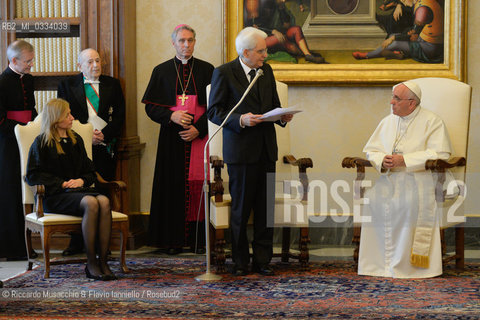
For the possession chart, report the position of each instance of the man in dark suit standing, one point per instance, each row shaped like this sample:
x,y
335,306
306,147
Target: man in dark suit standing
x,y
249,146
97,99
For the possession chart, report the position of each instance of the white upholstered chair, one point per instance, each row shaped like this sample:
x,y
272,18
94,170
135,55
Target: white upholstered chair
x,y
48,223
220,201
450,99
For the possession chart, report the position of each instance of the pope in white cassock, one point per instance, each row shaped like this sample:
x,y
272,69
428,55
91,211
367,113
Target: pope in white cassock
x,y
402,240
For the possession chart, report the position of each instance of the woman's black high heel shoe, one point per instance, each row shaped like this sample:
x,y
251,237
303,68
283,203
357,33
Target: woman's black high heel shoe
x,y
110,277
101,277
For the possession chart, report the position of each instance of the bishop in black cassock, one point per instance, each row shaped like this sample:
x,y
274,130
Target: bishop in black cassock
x,y
175,197
16,94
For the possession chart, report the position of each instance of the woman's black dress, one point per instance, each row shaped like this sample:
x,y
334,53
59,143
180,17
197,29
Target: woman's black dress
x,y
45,166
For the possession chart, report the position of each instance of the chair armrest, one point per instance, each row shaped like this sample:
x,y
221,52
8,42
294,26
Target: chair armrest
x,y
39,194
441,165
217,185
356,162
302,163
113,189
360,164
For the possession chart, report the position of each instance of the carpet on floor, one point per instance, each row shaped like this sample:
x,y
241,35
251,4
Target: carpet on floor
x,y
166,288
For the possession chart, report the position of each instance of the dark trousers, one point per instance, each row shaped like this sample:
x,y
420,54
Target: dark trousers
x,y
248,188
105,164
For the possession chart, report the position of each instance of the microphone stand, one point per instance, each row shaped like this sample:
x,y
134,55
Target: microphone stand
x,y
209,276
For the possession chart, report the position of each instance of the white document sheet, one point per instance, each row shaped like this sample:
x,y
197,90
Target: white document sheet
x,y
275,114
97,122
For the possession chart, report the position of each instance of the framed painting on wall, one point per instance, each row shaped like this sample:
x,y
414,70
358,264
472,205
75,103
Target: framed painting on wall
x,y
339,42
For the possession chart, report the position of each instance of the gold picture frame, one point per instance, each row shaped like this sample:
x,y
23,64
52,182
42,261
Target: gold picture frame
x,y
454,65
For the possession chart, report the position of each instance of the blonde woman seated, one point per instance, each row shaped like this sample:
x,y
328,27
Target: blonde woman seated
x,y
58,160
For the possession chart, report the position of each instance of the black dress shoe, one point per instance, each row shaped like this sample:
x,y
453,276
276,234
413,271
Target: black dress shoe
x,y
101,277
174,251
70,251
198,251
1,284
22,258
263,270
239,272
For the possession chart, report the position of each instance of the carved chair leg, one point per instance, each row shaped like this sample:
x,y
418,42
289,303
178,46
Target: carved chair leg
x,y
285,243
442,241
45,235
28,241
220,250
304,255
211,242
357,230
459,247
123,246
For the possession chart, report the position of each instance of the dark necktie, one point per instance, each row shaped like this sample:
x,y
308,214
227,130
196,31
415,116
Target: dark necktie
x,y
252,74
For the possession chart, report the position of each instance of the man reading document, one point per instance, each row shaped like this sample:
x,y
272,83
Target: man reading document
x,y
249,145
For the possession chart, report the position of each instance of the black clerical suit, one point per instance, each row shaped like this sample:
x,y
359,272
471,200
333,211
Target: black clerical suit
x,y
250,153
16,94
170,225
111,109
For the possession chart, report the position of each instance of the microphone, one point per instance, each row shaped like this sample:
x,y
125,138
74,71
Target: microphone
x,y
208,275
258,74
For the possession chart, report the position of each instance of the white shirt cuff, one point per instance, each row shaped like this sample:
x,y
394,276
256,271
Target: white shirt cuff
x,y
240,120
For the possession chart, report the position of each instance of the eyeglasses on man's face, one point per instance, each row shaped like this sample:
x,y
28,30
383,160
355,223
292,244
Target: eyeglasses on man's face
x,y
260,52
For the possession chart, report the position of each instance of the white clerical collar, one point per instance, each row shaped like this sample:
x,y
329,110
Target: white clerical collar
x,y
184,61
246,68
411,115
20,74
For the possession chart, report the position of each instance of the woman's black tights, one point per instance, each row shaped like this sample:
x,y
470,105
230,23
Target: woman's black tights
x,y
97,226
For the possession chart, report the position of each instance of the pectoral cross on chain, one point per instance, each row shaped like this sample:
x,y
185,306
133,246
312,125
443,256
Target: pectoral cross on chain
x,y
183,98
